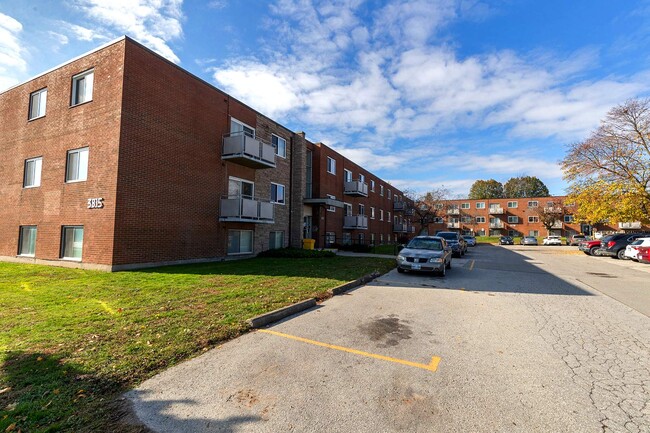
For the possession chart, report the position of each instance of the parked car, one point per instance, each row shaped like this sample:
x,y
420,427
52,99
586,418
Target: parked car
x,y
644,256
471,240
455,241
614,245
591,247
552,240
506,240
576,239
528,240
633,249
425,253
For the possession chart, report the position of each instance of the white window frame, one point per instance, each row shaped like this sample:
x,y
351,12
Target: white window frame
x,y
362,178
513,219
568,219
372,185
533,219
362,209
240,252
388,194
274,235
381,214
388,217
465,206
381,190
347,175
372,213
32,243
331,208
35,167
241,181
533,203
274,193
81,174
280,150
88,78
37,104
480,219
513,205
331,165
63,242
244,127
480,205
534,233
347,209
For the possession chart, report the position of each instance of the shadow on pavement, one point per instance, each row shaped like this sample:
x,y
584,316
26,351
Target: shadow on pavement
x,y
489,268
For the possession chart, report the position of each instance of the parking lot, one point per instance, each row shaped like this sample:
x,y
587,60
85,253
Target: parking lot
x,y
516,339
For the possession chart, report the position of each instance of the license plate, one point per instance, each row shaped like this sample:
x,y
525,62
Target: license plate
x,y
416,267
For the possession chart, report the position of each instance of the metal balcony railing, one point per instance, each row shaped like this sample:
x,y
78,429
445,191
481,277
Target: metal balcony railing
x,y
496,225
356,188
496,210
243,149
453,225
246,209
355,222
400,228
399,206
453,211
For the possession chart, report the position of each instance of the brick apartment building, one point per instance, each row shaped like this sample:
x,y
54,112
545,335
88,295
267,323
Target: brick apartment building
x,y
515,217
120,159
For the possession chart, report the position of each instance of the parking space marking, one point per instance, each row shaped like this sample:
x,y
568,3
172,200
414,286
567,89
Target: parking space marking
x,y
432,366
471,266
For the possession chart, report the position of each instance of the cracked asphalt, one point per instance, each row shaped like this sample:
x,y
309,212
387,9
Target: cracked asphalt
x,y
513,339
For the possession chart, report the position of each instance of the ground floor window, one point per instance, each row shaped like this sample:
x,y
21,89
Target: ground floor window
x,y
347,239
72,240
533,233
381,238
495,232
240,241
276,240
330,238
480,232
513,233
372,238
362,238
27,241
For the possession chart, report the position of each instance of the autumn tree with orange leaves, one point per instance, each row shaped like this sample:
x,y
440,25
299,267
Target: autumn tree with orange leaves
x,y
609,172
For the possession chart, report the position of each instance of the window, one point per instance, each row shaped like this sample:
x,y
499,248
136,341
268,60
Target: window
x,y
381,214
513,233
533,233
568,218
37,104
362,178
480,219
308,175
276,240
331,165
512,205
533,204
347,209
237,127
72,242
330,238
361,238
82,87
381,190
240,241
438,206
388,194
466,219
277,193
438,220
513,219
280,145
372,185
238,188
347,175
550,204
362,209
372,239
27,241
480,205
464,205
381,238
388,219
533,219
32,176
331,208
77,165
372,213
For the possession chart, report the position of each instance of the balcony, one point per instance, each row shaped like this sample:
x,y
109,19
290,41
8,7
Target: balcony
x,y
453,225
496,210
399,206
630,225
453,211
243,149
409,211
496,225
355,222
411,229
400,228
557,225
356,188
244,209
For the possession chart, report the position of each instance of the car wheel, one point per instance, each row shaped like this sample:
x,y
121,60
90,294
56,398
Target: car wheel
x,y
621,255
443,271
400,270
593,251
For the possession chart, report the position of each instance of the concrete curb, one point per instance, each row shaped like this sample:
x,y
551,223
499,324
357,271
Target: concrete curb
x,y
281,313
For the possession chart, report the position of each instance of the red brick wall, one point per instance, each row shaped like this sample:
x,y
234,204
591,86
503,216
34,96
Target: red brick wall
x,y
95,124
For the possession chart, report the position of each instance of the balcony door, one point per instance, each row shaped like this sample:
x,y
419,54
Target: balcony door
x,y
237,127
240,188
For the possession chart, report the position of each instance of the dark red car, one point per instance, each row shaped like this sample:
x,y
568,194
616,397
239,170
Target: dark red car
x,y
590,247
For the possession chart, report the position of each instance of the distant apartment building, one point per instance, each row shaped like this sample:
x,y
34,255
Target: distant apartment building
x,y
120,159
516,217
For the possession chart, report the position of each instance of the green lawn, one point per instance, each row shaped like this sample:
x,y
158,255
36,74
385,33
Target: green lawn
x,y
72,340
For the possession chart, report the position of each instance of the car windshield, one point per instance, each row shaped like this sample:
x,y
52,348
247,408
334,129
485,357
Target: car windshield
x,y
448,236
425,244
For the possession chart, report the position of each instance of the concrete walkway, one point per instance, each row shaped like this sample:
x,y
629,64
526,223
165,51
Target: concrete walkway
x,y
351,254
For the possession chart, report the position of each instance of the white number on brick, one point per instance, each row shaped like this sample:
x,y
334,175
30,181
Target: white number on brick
x,y
95,203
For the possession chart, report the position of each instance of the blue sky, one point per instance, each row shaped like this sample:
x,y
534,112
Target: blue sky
x,y
423,93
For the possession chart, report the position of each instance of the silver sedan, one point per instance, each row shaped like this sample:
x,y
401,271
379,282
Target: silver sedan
x,y
425,253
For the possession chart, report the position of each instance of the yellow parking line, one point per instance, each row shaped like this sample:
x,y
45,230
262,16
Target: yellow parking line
x,y
432,366
471,265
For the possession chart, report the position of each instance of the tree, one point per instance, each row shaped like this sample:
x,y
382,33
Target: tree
x,y
550,215
610,170
525,186
428,206
486,189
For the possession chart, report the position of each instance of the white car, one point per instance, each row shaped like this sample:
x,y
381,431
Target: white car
x,y
552,240
632,250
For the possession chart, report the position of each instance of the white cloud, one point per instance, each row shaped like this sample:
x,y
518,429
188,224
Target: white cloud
x,y
155,23
12,54
83,33
58,37
217,4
